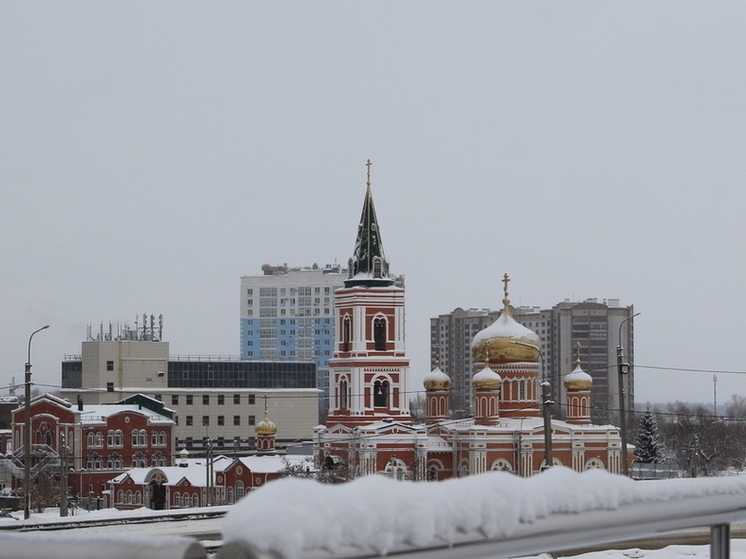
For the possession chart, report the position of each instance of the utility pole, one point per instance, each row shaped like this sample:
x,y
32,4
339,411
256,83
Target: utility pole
x,y
63,475
547,413
622,371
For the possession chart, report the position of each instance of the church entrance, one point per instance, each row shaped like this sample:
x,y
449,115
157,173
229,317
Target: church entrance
x,y
157,496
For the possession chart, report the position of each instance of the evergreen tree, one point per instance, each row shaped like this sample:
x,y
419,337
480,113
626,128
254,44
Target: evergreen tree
x,y
648,448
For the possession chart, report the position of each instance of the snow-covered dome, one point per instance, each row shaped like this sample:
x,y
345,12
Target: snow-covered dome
x,y
486,380
578,380
494,345
266,427
437,380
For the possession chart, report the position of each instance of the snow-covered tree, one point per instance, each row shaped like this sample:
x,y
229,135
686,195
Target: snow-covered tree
x,y
648,448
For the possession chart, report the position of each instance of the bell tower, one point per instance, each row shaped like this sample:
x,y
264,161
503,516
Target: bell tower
x,y
369,367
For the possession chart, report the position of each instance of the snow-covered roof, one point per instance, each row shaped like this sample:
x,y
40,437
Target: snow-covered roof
x,y
438,444
101,412
270,464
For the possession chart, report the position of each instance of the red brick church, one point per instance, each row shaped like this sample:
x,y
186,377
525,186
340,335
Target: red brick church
x,y
369,428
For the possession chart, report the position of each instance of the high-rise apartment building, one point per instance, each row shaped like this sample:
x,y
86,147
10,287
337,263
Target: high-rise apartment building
x,y
287,314
592,324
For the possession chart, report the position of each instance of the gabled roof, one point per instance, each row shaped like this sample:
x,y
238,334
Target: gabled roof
x,y
152,404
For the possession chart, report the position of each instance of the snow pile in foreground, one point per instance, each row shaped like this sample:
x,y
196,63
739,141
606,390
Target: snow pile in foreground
x,y
376,512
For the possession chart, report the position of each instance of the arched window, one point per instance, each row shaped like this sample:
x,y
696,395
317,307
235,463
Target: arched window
x,y
346,333
91,462
154,438
129,497
138,498
195,500
396,469
99,439
229,495
343,394
377,267
161,438
91,439
379,334
381,394
501,465
177,499
110,438
239,490
187,500
120,496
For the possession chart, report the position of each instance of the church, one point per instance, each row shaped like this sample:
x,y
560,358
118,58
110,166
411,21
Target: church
x,y
369,428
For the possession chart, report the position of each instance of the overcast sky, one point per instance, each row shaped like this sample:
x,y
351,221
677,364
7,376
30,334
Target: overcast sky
x,y
151,153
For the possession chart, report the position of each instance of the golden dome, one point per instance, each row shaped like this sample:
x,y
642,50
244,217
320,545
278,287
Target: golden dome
x,y
437,380
486,380
266,427
578,380
505,341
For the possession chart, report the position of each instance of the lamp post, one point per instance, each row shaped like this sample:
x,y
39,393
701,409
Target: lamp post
x,y
545,410
622,370
27,432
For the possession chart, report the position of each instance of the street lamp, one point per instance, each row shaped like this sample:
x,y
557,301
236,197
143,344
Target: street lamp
x,y
622,369
27,433
545,410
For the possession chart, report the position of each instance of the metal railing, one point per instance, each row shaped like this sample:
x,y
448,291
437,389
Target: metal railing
x,y
551,534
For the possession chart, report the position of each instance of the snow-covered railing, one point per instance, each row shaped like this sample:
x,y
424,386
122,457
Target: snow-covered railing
x,y
489,515
82,546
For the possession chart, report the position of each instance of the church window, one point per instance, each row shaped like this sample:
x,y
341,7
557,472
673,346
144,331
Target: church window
x,y
377,267
343,394
381,394
346,332
379,334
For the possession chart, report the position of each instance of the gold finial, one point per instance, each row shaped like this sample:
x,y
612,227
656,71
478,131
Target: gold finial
x,y
368,164
437,355
506,280
577,354
266,406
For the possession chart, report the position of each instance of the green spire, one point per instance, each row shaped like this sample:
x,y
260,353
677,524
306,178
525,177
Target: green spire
x,y
368,266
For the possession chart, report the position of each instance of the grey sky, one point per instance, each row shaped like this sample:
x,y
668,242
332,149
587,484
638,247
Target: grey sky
x,y
152,153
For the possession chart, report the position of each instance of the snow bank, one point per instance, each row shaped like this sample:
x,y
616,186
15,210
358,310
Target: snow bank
x,y
375,512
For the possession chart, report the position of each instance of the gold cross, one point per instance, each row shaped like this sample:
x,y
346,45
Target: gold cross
x,y
506,279
577,353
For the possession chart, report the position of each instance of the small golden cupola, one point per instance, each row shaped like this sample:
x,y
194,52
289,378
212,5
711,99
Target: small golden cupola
x,y
486,380
577,380
437,395
437,379
495,344
265,426
265,432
